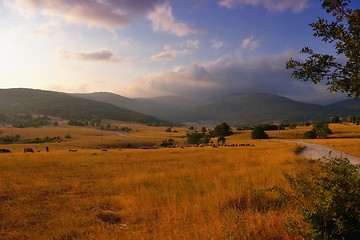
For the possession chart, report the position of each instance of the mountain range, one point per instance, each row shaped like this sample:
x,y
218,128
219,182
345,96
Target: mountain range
x,y
236,109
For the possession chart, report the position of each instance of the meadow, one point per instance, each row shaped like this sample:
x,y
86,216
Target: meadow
x,y
164,193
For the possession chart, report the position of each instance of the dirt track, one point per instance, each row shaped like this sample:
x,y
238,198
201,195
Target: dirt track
x,y
315,151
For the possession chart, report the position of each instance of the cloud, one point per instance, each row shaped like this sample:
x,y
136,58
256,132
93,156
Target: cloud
x,y
225,75
102,55
162,20
169,53
49,28
216,44
271,5
250,44
108,14
192,43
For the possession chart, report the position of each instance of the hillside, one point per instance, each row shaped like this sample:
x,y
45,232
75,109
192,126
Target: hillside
x,y
66,106
170,108
236,108
257,108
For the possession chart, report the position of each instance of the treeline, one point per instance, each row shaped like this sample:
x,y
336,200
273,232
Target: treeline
x,y
25,120
204,136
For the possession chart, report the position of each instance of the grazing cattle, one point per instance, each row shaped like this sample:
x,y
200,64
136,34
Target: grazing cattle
x,y
4,150
28,150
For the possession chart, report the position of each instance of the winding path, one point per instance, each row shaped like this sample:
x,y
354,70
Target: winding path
x,y
315,151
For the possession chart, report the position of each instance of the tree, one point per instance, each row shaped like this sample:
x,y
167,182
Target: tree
x,y
221,139
344,33
194,138
259,133
321,130
328,199
221,130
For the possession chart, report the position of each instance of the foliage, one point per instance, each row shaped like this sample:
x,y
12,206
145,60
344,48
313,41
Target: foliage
x,y
222,129
27,120
309,135
221,139
167,143
73,122
328,199
320,130
343,32
335,119
9,139
47,140
168,129
259,133
197,138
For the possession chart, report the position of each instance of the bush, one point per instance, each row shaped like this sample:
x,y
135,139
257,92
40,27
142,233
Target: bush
x,y
320,130
259,133
310,135
221,130
328,198
221,139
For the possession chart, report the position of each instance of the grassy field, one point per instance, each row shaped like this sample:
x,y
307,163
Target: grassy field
x,y
176,193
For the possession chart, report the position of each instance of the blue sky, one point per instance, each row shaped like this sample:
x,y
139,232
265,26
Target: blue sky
x,y
193,48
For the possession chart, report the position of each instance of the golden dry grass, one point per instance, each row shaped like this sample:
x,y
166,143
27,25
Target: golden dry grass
x,y
190,193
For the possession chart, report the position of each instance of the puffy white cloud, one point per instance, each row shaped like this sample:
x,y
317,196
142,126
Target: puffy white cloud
x,y
250,44
163,20
271,5
102,55
225,75
169,53
100,13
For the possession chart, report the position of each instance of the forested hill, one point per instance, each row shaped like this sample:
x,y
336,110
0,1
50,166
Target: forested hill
x,y
66,106
236,108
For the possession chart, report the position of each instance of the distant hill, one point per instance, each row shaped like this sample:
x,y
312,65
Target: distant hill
x,y
250,108
170,108
67,106
345,108
236,109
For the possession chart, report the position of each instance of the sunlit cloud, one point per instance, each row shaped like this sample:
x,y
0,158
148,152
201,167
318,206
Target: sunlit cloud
x,y
49,28
169,53
102,55
108,14
162,20
225,75
271,5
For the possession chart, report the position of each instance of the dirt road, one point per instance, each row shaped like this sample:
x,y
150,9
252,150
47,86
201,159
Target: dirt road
x,y
315,151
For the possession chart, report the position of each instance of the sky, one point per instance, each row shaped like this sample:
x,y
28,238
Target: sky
x,y
198,49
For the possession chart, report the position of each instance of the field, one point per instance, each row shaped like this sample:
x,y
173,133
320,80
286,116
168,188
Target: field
x,y
164,193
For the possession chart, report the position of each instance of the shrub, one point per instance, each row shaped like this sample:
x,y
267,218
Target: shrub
x,y
328,199
221,139
310,135
221,130
259,133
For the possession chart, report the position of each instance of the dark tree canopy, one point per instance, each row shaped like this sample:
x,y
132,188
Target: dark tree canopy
x,y
221,130
343,32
